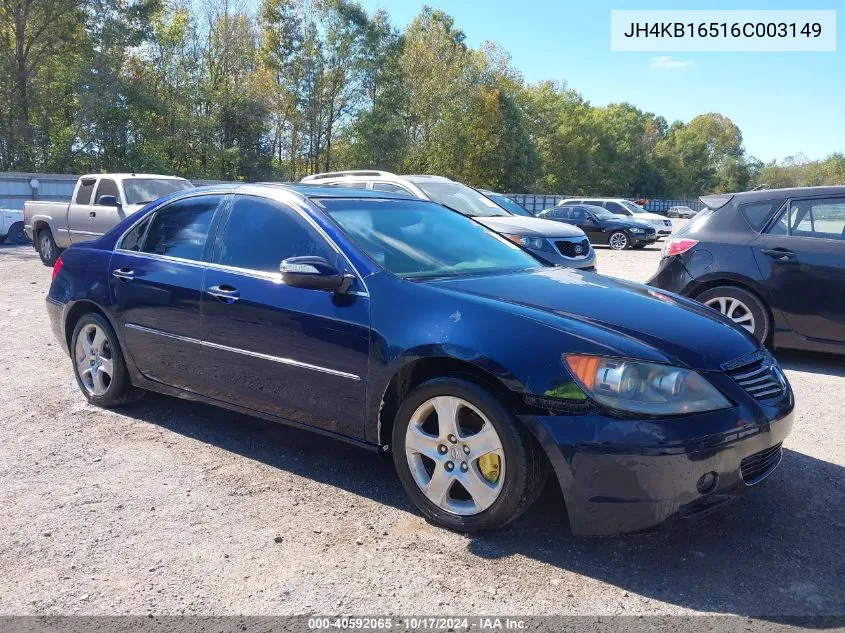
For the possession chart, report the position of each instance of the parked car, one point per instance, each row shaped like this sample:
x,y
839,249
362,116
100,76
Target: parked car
x,y
11,227
404,327
552,242
773,261
626,208
680,212
99,202
508,204
603,227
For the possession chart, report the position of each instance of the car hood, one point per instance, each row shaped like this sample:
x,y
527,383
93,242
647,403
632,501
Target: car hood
x,y
614,317
650,217
530,227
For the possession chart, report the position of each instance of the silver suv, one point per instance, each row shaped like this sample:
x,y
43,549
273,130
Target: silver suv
x,y
553,242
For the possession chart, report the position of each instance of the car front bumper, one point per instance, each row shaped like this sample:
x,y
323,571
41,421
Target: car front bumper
x,y
622,475
588,262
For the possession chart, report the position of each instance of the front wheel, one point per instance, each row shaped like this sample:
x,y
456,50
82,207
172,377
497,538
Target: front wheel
x,y
463,459
741,307
98,363
16,234
618,241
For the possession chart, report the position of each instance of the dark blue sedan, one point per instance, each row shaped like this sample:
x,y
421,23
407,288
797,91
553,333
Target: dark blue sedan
x,y
402,326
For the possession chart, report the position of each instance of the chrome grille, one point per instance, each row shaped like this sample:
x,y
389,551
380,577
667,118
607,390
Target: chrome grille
x,y
573,249
759,376
758,466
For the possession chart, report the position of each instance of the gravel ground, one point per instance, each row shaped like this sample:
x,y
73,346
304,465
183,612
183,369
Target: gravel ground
x,y
170,507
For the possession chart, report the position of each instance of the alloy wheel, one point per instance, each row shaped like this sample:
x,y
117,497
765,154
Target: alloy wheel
x,y
46,246
735,310
94,359
455,455
618,241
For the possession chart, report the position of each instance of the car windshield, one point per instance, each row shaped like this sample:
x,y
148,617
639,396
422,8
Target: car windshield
x,y
633,208
461,198
144,190
417,239
601,213
508,204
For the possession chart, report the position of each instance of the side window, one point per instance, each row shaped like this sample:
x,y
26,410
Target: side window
x,y
757,214
261,233
181,229
389,186
595,203
615,207
107,187
559,214
86,188
823,219
578,214
349,184
133,240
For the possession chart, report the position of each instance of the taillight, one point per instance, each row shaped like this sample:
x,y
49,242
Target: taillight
x,y
57,267
677,246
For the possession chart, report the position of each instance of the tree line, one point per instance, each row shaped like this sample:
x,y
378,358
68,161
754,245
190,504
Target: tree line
x,y
214,89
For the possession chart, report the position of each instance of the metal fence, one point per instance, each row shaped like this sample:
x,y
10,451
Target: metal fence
x,y
534,203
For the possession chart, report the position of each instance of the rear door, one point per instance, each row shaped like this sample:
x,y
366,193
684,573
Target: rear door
x,y
156,277
102,218
294,353
79,210
802,262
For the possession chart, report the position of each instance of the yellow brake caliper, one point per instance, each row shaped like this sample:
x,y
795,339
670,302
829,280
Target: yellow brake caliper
x,y
490,466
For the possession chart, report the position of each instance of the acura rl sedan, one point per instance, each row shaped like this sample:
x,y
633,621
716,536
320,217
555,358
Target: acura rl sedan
x,y
409,329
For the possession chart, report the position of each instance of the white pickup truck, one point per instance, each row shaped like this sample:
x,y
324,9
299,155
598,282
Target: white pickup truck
x,y
99,202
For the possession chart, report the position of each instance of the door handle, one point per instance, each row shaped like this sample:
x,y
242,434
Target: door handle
x,y
224,293
92,214
124,274
779,254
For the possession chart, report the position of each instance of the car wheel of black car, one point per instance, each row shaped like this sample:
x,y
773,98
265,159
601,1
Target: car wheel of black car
x,y
464,460
98,363
16,234
46,245
741,307
618,241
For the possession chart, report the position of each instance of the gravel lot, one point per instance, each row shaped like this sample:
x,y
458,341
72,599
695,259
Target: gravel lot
x,y
170,507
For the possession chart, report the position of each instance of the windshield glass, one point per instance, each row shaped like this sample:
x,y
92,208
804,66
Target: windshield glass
x,y
633,208
144,190
601,213
461,198
414,239
508,204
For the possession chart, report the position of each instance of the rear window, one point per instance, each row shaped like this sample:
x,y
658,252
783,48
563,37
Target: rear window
x,y
698,221
757,214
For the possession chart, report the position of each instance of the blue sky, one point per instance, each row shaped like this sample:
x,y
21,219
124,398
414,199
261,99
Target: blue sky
x,y
784,103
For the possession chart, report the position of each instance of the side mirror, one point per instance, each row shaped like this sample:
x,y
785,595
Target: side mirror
x,y
108,201
314,273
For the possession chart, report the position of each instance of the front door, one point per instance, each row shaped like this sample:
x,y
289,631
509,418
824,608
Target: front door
x,y
102,218
802,262
294,353
78,219
156,277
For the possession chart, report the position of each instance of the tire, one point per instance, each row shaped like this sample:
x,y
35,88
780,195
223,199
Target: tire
x,y
619,241
98,363
46,247
2,239
741,306
521,471
16,234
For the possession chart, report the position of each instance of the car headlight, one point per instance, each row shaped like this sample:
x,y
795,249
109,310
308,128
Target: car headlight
x,y
637,231
640,387
535,243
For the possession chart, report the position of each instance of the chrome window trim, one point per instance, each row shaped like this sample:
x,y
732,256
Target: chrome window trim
x,y
290,200
275,359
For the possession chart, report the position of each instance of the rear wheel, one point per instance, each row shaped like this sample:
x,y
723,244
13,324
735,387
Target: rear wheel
x,y
46,245
618,241
16,234
463,459
98,363
740,306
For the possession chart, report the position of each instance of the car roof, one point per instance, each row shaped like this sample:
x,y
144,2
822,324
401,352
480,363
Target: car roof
x,y
716,201
131,176
304,190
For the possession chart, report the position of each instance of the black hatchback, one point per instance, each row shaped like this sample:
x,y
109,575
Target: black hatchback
x,y
772,261
603,227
